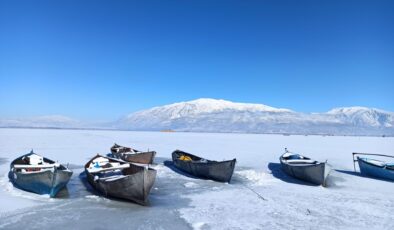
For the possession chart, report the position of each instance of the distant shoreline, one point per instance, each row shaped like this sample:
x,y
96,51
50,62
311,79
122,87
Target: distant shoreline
x,y
175,131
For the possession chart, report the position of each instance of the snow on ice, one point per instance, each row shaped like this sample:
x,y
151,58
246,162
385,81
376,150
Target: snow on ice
x,y
260,195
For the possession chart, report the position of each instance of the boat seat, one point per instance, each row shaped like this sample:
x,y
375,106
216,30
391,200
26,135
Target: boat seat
x,y
112,178
293,156
301,161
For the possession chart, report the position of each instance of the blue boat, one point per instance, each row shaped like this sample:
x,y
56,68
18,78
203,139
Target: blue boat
x,y
375,168
34,173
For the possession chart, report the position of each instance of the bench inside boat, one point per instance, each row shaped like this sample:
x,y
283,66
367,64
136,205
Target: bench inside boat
x,y
111,169
292,158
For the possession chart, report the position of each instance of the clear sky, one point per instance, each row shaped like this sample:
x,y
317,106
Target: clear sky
x,y
104,59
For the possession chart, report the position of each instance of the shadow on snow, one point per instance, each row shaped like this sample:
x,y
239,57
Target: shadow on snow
x,y
3,160
353,173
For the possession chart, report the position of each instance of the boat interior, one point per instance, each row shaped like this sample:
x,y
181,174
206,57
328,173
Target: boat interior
x,y
293,158
122,149
189,157
112,169
379,163
35,163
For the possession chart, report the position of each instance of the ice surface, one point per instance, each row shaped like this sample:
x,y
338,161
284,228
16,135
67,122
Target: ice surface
x,y
260,195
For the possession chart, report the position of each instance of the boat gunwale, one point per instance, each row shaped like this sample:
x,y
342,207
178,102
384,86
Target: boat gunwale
x,y
141,167
59,167
377,166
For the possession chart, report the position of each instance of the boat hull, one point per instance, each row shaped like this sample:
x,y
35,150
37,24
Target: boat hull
x,y
141,157
135,187
219,171
45,182
371,170
315,174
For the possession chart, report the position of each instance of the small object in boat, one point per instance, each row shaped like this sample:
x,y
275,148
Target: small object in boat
x,y
185,158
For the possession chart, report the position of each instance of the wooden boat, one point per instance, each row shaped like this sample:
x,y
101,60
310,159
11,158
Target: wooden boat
x,y
132,155
373,167
34,173
304,168
215,170
116,178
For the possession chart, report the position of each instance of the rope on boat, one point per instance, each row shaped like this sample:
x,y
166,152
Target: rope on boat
x,y
308,212
252,190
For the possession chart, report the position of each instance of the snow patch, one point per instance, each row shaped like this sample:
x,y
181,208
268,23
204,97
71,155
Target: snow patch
x,y
190,185
224,209
198,225
255,177
93,197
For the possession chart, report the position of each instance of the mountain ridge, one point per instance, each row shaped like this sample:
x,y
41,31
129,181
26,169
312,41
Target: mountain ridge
x,y
218,115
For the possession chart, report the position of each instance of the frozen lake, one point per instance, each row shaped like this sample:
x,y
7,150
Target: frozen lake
x,y
180,202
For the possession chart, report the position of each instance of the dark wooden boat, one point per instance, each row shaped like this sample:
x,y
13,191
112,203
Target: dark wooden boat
x,y
132,155
34,173
304,168
215,170
116,178
373,167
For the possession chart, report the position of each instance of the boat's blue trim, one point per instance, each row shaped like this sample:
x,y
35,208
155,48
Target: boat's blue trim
x,y
369,169
36,187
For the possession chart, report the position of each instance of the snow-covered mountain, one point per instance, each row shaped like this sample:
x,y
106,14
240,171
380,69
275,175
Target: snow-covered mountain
x,y
363,116
211,115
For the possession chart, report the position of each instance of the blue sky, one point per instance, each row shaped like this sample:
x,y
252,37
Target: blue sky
x,y
104,59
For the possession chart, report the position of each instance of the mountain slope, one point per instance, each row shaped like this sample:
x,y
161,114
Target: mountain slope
x,y
364,116
210,115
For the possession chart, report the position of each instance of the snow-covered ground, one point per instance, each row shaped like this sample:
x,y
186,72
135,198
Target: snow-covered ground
x,y
259,196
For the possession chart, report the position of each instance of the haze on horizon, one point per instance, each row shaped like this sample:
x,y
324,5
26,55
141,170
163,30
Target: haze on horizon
x,y
101,60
